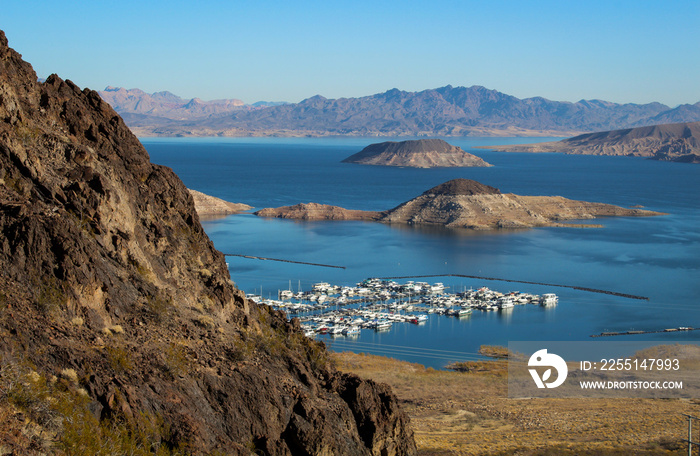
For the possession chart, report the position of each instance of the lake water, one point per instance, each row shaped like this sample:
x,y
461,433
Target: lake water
x,y
657,257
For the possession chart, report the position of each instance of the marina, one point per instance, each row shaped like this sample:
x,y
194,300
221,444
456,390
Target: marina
x,y
378,304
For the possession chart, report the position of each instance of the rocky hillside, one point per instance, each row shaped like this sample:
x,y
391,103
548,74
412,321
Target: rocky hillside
x,y
422,153
120,330
678,142
464,203
445,111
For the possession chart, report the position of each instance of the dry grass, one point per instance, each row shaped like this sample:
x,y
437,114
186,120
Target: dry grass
x,y
469,413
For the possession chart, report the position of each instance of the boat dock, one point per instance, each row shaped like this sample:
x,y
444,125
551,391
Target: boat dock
x,y
378,304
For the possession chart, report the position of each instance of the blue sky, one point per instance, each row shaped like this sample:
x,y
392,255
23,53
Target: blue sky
x,y
617,50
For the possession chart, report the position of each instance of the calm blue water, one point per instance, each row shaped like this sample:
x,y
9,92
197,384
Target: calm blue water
x,y
657,257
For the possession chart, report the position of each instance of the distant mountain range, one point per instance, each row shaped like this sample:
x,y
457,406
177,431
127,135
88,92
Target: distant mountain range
x,y
446,111
165,104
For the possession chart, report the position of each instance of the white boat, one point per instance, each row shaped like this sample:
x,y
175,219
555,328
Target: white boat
x,y
463,312
549,299
349,330
382,324
437,288
505,302
336,330
286,294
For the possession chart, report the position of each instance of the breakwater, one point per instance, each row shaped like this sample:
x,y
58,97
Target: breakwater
x,y
573,287
252,257
635,332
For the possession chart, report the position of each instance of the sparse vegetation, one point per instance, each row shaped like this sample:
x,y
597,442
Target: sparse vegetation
x,y
51,296
494,351
119,358
176,361
59,421
460,413
160,307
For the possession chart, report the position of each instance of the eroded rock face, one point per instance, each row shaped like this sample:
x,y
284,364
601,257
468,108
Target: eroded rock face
x,y
105,269
208,206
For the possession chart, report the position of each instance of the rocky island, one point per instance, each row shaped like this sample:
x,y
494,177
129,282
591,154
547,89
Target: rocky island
x,y
315,211
421,153
208,206
121,331
464,203
679,142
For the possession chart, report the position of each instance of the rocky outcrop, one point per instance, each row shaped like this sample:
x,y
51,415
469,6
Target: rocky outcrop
x,y
464,203
462,187
670,142
422,153
112,292
207,205
314,211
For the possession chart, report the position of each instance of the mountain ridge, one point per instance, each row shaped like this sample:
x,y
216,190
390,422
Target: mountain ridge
x,y
444,111
679,142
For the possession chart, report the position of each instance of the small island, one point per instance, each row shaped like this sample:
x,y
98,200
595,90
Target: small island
x,y
421,153
465,203
315,211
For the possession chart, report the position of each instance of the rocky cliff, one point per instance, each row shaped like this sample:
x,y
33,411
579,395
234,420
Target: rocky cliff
x,y
120,329
464,203
678,142
207,205
422,153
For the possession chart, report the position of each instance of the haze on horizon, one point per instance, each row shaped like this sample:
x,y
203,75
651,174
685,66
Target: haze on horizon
x,y
624,52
